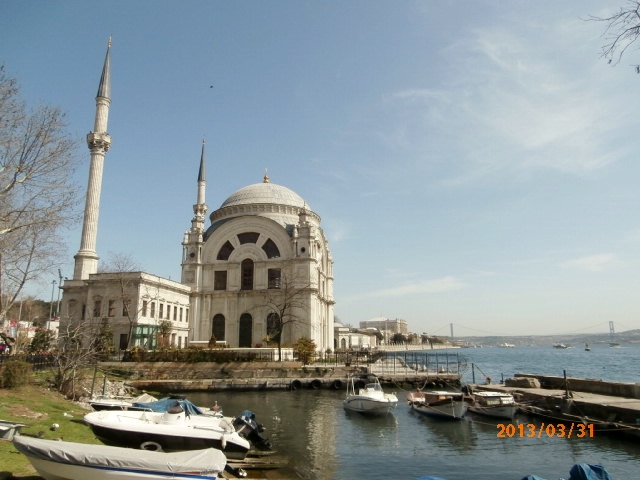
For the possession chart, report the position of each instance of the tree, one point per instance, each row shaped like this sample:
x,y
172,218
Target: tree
x,y
41,341
284,303
621,32
77,350
37,194
305,349
121,264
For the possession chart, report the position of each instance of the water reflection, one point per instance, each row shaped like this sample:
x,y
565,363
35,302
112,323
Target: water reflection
x,y
324,442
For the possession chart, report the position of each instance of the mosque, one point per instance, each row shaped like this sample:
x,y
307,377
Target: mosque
x,y
260,272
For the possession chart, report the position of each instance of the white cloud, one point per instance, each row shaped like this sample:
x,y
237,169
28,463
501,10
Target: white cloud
x,y
438,285
593,263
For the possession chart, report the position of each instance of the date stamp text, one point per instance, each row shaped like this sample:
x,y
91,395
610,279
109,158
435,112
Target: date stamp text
x,y
550,430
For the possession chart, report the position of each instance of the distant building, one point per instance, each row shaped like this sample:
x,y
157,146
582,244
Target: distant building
x,y
387,326
349,339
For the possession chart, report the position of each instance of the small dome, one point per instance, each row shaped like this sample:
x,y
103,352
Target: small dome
x,y
264,193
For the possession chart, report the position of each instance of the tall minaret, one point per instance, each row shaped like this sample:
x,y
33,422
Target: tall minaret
x,y
99,142
194,237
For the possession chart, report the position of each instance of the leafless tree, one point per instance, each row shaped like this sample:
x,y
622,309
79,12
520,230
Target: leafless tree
x,y
76,351
37,193
285,305
121,264
621,32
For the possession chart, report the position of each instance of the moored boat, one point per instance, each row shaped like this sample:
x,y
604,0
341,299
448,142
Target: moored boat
x,y
370,398
439,403
59,460
493,404
173,430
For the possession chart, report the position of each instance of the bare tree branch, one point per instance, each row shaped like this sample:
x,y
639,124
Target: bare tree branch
x,y
622,32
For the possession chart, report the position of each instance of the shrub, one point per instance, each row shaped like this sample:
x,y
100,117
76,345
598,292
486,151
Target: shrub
x,y
15,373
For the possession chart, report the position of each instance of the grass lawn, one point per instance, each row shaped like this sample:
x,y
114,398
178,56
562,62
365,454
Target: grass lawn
x,y
39,408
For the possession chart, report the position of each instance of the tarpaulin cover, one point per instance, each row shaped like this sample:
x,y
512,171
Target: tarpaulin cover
x,y
164,404
206,460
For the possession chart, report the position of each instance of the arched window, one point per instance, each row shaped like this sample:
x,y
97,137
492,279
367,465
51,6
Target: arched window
x,y
248,237
343,343
246,330
274,327
225,251
247,275
271,249
218,326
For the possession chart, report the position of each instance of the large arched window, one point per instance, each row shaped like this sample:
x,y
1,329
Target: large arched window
x,y
271,249
246,330
247,275
218,326
225,251
274,327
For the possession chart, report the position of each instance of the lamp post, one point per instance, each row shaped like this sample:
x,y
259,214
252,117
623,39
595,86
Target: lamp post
x,y
53,288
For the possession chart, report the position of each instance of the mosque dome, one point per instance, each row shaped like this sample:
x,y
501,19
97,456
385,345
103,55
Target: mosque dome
x,y
264,193
265,199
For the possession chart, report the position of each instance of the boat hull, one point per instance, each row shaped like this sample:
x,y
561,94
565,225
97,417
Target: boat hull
x,y
145,431
369,406
439,404
507,412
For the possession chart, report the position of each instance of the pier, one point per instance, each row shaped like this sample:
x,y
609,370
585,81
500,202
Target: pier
x,y
576,400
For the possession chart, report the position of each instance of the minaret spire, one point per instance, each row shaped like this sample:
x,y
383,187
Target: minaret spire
x,y
98,141
200,208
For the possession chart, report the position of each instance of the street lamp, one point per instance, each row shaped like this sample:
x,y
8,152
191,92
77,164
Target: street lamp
x,y
53,287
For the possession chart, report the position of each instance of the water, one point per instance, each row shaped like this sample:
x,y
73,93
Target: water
x,y
323,442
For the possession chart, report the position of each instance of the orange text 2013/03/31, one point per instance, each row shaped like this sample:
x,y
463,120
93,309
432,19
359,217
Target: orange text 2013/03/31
x,y
550,430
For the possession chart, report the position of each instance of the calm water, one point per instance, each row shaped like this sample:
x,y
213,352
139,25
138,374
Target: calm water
x,y
324,442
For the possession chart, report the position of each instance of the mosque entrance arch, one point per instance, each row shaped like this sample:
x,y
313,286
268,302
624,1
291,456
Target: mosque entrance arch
x,y
246,331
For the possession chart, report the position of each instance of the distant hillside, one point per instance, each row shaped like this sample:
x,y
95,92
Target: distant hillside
x,y
628,337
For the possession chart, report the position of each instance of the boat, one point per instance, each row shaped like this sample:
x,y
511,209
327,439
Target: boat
x,y
60,460
493,404
107,402
369,398
587,348
560,345
172,430
507,345
245,423
439,403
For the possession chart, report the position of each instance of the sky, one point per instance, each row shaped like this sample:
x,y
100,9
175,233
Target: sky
x,y
474,162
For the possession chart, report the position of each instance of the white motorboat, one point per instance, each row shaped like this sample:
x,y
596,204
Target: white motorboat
x,y
58,460
439,403
493,404
172,430
369,398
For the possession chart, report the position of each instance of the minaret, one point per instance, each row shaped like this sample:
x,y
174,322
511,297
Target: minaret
x,y
99,142
194,237
200,208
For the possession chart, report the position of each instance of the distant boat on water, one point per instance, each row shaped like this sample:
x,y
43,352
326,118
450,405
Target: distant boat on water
x,y
587,348
560,345
507,345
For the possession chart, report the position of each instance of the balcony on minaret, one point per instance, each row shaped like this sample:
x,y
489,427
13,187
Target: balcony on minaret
x,y
98,140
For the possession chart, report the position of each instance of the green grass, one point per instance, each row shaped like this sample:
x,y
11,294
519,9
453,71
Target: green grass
x,y
39,408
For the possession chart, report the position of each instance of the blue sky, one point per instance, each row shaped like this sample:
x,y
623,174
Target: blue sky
x,y
474,162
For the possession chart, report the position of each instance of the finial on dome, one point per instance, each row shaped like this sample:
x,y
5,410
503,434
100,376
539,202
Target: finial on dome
x,y
109,42
266,177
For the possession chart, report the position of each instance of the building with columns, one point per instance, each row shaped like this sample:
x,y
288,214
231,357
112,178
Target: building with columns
x,y
260,269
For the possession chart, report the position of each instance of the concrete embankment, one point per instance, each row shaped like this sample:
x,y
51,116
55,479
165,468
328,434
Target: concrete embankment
x,y
180,377
610,406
